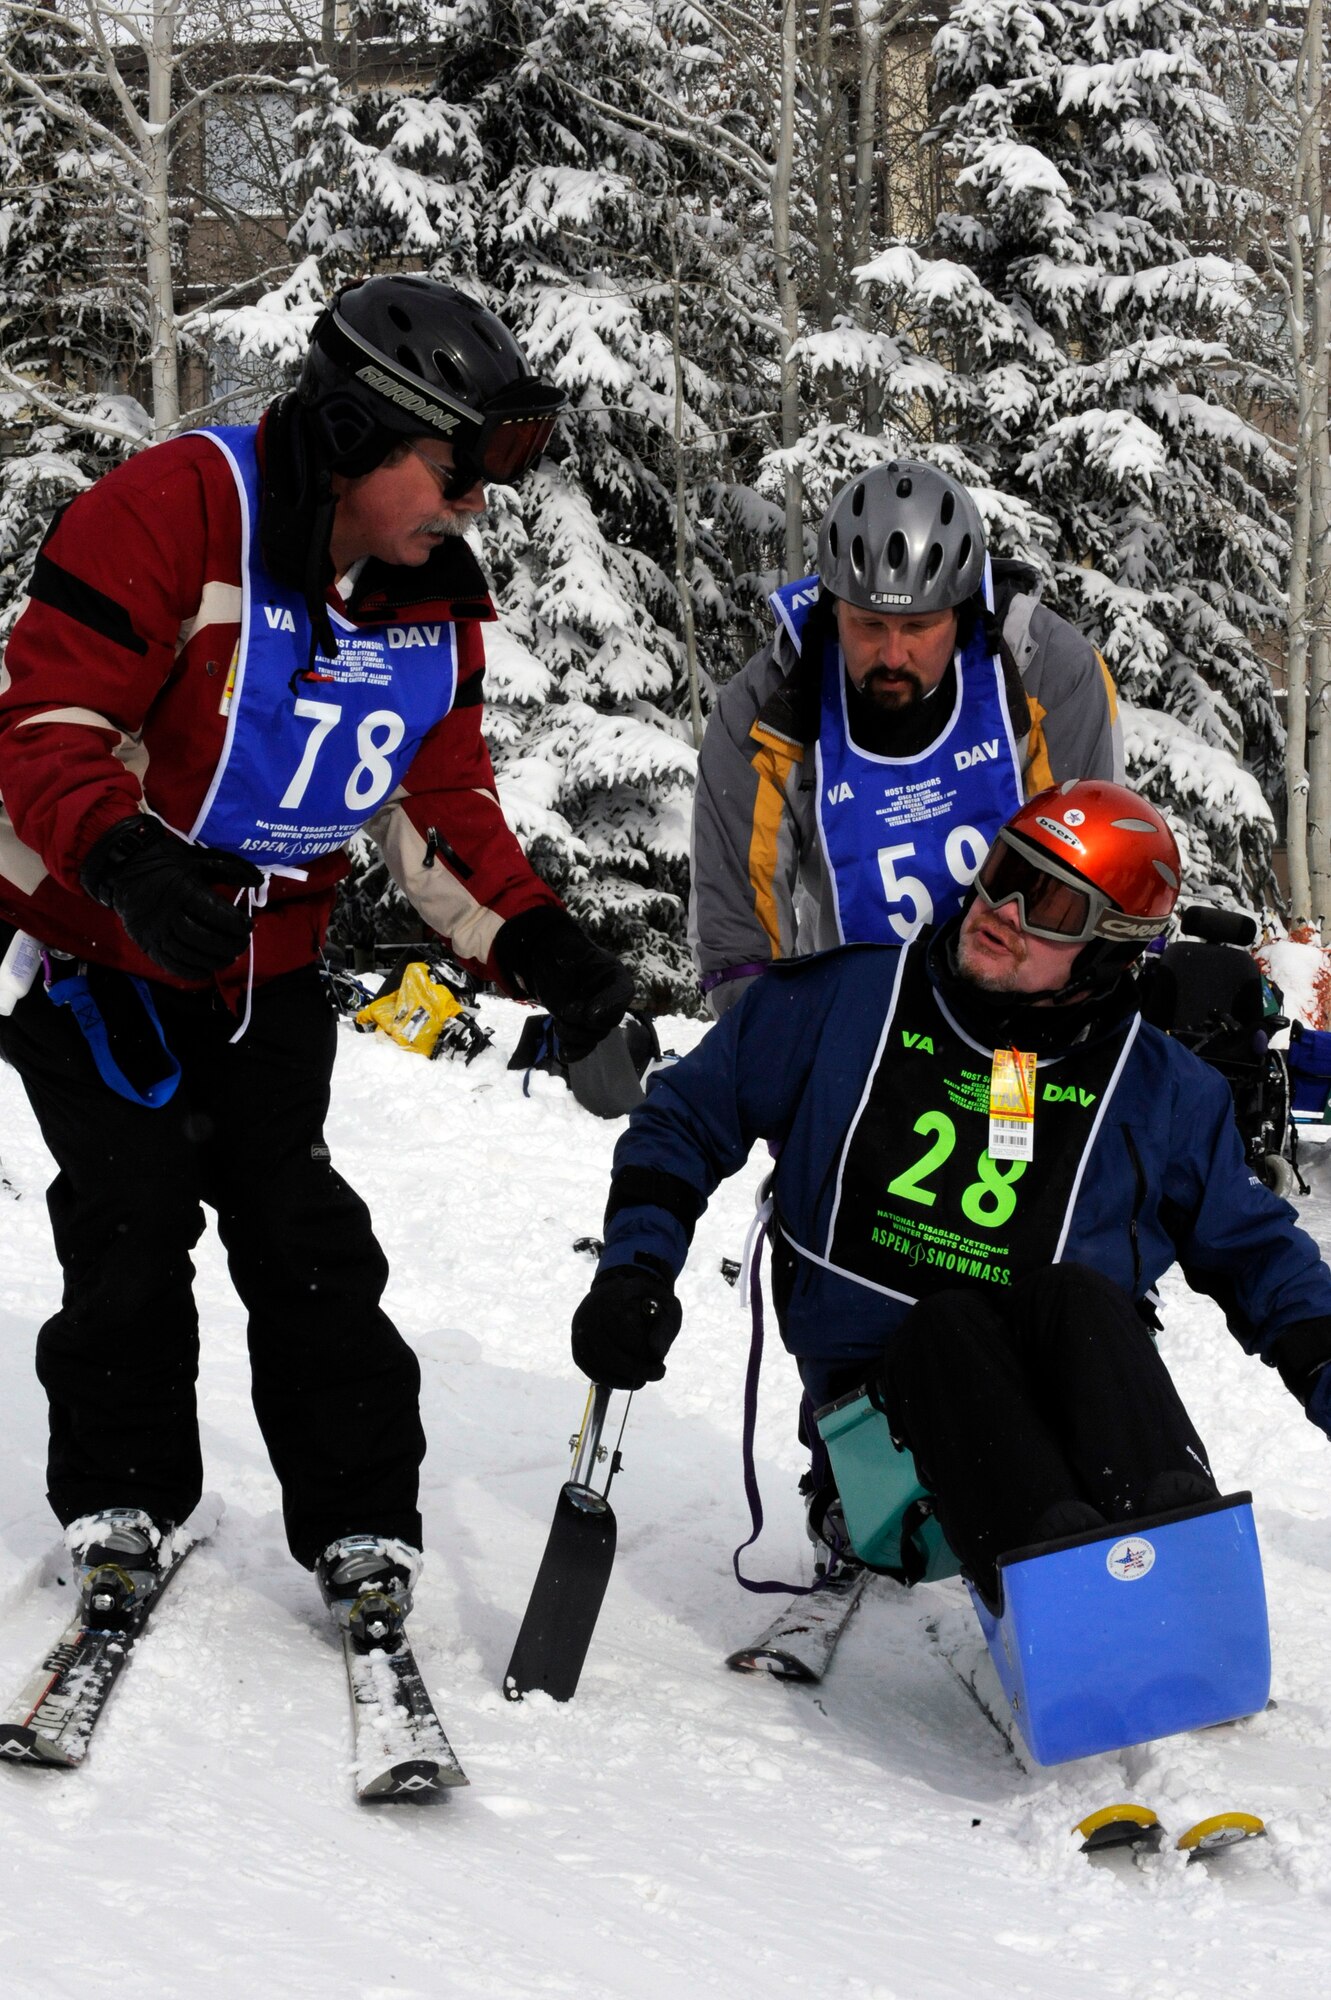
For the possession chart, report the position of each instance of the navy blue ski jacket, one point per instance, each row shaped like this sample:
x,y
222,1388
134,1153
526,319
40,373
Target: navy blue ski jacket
x,y
1166,1181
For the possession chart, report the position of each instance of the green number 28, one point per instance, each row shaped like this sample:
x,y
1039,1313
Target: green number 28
x,y
991,1197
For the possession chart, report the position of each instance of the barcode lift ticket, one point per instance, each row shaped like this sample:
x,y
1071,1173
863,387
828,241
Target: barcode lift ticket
x,y
1012,1106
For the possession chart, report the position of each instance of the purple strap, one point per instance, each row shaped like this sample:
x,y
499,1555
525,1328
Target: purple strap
x,y
750,1422
711,979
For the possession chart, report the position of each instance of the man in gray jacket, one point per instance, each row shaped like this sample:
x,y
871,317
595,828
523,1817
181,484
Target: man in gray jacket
x,y
914,693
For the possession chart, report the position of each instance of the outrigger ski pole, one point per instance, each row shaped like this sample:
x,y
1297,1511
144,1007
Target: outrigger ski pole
x,y
575,1569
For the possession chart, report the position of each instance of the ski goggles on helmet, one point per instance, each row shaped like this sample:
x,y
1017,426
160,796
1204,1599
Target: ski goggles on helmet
x,y
515,426
1052,902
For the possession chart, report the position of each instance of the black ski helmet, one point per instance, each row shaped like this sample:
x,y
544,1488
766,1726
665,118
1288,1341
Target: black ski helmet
x,y
406,357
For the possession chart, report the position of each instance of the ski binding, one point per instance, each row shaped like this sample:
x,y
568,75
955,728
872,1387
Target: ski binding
x,y
50,1721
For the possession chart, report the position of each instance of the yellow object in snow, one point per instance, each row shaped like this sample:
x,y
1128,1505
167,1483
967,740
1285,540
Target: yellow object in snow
x,y
416,1014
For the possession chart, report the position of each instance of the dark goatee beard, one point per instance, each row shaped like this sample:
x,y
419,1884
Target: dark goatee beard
x,y
903,691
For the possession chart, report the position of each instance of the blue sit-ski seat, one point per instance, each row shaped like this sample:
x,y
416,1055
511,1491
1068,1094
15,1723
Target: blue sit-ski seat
x,y
1112,1638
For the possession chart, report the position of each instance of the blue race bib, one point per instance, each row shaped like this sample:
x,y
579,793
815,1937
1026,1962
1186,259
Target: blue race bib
x,y
311,755
904,836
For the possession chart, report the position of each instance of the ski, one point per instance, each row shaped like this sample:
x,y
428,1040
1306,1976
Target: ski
x,y
1137,1827
967,1660
400,1749
51,1720
799,1643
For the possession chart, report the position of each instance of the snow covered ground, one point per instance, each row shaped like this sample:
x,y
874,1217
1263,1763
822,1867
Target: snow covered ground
x,y
676,1830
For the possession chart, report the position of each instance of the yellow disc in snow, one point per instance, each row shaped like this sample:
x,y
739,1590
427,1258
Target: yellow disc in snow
x,y
1221,1830
1120,1815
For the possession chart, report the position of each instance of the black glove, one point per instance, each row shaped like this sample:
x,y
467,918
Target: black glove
x,y
1318,1404
161,889
1302,1357
623,1329
584,989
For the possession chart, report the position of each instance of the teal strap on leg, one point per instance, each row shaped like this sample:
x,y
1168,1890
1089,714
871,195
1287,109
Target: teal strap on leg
x,y
135,1037
889,1515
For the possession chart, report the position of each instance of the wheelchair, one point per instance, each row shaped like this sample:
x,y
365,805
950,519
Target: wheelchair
x,y
1207,991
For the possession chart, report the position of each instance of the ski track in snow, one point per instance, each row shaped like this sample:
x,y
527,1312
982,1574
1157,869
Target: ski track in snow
x,y
676,1829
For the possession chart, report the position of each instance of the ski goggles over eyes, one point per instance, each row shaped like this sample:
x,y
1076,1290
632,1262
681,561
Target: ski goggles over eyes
x,y
1051,901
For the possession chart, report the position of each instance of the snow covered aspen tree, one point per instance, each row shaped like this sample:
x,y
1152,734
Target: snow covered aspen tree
x,y
859,169
102,115
65,207
1308,656
1277,84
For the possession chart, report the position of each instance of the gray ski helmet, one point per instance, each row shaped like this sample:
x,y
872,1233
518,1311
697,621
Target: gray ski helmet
x,y
903,537
407,357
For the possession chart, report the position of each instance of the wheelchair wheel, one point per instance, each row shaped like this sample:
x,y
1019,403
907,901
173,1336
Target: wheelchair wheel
x,y
1279,1176
1274,1132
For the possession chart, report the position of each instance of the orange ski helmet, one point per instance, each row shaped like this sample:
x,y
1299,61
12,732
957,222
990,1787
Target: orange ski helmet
x,y
1085,861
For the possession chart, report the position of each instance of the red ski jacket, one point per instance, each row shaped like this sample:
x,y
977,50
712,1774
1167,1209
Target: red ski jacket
x,y
111,695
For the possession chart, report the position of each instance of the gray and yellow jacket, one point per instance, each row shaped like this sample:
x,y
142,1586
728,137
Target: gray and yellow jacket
x,y
760,885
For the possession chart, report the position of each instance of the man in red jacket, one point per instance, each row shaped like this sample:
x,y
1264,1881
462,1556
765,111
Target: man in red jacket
x,y
239,649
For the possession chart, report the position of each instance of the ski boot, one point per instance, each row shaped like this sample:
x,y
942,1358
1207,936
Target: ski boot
x,y
366,1581
118,1556
825,1524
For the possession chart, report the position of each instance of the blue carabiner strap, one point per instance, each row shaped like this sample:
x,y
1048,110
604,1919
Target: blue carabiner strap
x,y
162,1071
545,1056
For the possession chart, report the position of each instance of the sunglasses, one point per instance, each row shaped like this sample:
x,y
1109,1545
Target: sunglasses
x,y
1052,902
446,477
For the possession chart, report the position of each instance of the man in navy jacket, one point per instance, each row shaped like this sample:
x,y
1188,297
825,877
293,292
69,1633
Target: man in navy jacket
x,y
986,1161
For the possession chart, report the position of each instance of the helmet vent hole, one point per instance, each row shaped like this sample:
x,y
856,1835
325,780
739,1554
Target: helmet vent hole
x,y
948,509
401,320
834,541
857,502
964,552
896,549
449,373
857,555
904,488
407,356
934,563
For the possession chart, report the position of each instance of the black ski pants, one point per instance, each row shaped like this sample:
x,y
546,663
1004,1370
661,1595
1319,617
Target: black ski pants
x,y
1014,1408
335,1387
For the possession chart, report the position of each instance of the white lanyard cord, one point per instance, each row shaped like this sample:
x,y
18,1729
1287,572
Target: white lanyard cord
x,y
258,899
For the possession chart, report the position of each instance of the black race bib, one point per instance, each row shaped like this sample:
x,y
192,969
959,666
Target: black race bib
x,y
920,1205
